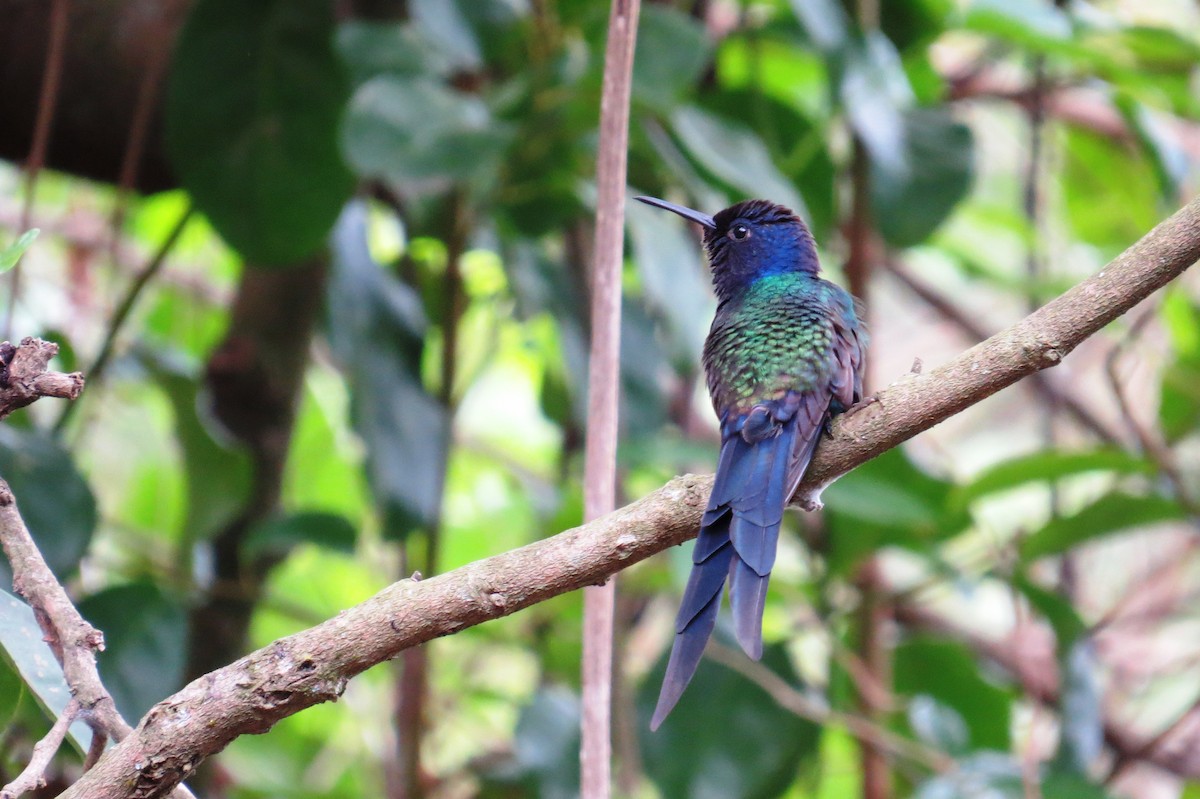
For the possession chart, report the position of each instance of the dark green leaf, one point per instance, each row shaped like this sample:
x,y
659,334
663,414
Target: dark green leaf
x,y
13,252
252,113
672,49
1112,513
887,501
734,154
145,644
911,199
914,24
1049,465
726,737
376,328
1071,786
24,646
55,500
948,672
276,537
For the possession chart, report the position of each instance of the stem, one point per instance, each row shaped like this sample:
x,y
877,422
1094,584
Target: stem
x,y
600,449
47,104
121,314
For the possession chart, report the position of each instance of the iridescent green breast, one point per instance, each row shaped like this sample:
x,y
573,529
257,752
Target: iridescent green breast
x,y
776,337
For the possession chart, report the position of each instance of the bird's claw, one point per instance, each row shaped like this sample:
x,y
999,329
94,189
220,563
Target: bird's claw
x,y
863,403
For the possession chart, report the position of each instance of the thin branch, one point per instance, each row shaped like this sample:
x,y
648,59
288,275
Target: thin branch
x,y
47,104
1151,444
313,666
25,379
1040,383
152,268
861,727
604,378
34,774
74,642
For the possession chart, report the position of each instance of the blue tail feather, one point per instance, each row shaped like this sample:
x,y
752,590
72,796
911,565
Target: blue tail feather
x,y
738,537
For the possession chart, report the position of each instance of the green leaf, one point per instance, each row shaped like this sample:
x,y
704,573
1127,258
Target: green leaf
x,y
1160,144
24,646
674,279
1058,785
376,327
825,22
444,25
252,113
1179,395
734,154
1067,624
371,48
875,94
887,501
1029,22
55,501
276,537
1111,191
1046,466
727,736
949,673
420,135
1112,513
910,200
672,49
13,252
145,644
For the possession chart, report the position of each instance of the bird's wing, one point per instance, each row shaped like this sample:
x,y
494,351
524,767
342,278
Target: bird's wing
x,y
849,348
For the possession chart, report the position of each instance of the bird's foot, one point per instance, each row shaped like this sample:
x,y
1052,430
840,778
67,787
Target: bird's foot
x,y
863,403
810,500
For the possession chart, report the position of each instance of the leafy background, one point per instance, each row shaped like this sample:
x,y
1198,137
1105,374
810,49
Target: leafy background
x,y
364,357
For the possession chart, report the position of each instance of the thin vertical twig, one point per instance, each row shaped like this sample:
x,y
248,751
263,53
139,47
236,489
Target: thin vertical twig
x,y
412,688
600,449
47,103
121,314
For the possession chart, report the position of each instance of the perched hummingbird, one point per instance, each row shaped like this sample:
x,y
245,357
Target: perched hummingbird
x,y
785,352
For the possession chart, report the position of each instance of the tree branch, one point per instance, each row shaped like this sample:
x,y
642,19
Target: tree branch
x,y
313,666
24,378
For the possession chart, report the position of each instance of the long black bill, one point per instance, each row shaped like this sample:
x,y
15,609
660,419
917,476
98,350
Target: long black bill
x,y
686,213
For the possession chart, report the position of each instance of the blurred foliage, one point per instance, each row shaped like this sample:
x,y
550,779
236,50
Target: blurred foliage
x,y
441,413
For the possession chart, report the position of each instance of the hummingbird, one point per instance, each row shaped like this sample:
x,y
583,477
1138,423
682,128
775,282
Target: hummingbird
x,y
783,355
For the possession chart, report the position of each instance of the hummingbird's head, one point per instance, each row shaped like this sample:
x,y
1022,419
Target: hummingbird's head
x,y
750,240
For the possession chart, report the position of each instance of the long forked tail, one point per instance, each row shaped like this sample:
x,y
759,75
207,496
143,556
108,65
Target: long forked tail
x,y
761,463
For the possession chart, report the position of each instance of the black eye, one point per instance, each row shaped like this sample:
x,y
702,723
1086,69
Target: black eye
x,y
739,232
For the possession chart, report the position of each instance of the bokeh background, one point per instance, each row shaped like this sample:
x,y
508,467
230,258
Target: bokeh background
x,y
325,267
